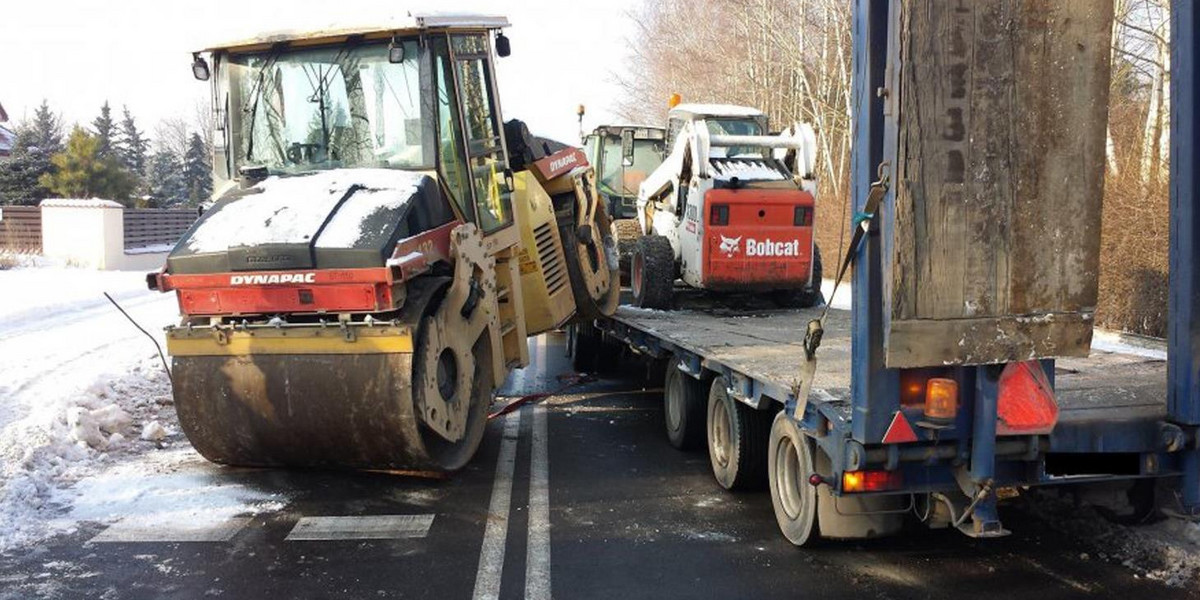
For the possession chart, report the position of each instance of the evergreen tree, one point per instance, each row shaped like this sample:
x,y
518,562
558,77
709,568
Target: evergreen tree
x,y
105,130
197,169
132,146
45,132
37,140
81,172
165,179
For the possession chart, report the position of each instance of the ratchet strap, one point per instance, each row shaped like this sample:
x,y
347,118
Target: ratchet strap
x,y
816,327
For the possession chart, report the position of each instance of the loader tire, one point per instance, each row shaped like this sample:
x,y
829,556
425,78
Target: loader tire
x,y
737,439
626,232
683,408
810,295
652,272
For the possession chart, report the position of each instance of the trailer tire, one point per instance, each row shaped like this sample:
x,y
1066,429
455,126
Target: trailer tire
x,y
810,295
789,465
737,439
683,408
652,272
586,348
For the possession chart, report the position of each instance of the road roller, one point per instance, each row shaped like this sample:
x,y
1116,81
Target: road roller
x,y
379,246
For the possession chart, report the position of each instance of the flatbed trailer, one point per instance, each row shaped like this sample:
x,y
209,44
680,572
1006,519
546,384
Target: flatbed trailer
x,y
1111,428
922,403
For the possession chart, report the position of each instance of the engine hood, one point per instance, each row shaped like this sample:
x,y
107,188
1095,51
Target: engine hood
x,y
342,218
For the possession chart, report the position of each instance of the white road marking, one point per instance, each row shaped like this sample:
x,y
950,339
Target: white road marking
x,y
495,534
135,529
369,527
537,558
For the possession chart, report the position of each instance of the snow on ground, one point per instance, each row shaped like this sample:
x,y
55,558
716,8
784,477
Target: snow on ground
x,y
164,489
77,384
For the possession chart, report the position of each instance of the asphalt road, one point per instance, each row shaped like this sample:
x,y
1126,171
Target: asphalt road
x,y
579,497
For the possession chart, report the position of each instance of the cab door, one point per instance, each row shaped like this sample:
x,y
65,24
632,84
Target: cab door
x,y
486,160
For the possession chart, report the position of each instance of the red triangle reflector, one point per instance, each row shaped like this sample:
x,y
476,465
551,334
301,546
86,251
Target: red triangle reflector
x,y
899,431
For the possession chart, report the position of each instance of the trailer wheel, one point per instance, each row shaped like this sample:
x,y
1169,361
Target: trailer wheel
x,y
737,439
652,272
789,464
586,345
683,408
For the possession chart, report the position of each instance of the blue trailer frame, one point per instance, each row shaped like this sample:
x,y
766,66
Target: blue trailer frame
x,y
875,389
1183,341
970,458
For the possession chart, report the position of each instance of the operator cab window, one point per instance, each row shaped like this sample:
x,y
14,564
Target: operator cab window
x,y
485,153
451,157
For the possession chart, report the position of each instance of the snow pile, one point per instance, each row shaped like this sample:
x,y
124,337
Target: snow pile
x,y
167,488
290,210
70,437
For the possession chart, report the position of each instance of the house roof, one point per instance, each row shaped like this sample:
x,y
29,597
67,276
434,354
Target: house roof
x,y
3,115
7,140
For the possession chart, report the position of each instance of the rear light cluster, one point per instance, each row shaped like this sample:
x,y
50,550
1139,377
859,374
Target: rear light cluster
x,y
854,482
803,216
719,215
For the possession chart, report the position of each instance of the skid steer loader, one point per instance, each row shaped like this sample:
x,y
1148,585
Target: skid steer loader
x,y
730,209
380,247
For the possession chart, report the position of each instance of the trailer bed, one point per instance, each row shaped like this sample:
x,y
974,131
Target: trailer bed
x,y
765,346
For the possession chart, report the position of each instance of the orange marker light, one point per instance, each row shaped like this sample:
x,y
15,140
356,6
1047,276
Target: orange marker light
x,y
941,400
674,101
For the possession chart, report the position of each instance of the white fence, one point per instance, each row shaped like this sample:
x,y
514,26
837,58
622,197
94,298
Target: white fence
x,y
92,233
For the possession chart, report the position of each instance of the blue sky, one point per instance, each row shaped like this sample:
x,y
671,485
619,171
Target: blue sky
x,y
78,53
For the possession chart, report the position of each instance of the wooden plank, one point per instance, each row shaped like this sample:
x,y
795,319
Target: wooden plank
x,y
999,178
987,340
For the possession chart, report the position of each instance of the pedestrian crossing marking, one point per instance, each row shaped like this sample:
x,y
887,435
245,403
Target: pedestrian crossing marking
x,y
371,527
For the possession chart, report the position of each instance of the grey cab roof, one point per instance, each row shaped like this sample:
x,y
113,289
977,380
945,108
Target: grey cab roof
x,y
383,26
695,111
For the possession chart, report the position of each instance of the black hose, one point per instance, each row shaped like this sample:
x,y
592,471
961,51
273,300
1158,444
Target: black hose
x,y
158,347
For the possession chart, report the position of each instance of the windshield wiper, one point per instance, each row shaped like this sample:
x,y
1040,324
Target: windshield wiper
x,y
256,93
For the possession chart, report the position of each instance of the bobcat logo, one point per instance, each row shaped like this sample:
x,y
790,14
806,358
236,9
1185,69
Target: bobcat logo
x,y
730,246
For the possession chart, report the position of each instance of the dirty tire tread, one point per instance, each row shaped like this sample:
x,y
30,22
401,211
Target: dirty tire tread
x,y
747,468
627,232
805,529
658,272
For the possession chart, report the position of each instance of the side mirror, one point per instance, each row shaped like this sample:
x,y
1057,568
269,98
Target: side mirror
x,y
200,67
396,53
503,48
627,147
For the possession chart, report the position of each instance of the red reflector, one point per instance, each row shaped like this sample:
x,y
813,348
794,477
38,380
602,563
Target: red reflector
x,y
899,431
1026,402
870,481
